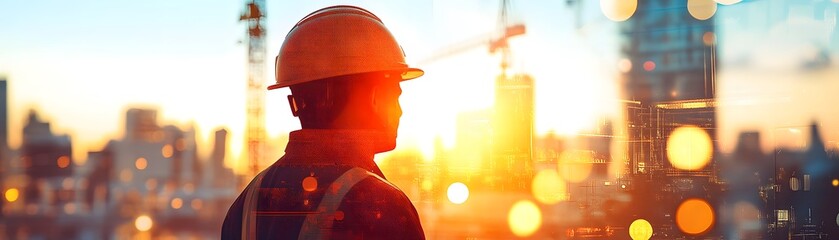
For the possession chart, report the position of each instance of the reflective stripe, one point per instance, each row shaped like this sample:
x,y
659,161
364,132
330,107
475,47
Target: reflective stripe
x,y
318,226
249,207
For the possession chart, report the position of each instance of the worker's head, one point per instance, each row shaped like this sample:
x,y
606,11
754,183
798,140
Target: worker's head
x,y
362,101
343,67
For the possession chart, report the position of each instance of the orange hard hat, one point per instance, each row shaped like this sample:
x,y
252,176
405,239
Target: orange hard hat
x,y
338,41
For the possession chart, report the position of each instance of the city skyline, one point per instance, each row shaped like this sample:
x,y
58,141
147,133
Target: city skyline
x,y
175,55
605,119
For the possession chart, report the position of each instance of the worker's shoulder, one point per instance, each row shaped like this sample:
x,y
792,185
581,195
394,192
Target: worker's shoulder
x,y
374,190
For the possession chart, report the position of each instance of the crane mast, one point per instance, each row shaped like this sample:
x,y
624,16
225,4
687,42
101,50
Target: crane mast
x,y
254,17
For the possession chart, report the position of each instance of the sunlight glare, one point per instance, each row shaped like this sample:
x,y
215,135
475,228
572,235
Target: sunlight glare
x,y
575,165
548,187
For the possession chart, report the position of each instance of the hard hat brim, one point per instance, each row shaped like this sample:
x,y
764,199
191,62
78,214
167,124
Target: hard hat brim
x,y
407,74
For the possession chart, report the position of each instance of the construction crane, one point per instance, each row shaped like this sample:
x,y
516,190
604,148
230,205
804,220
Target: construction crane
x,y
254,17
512,120
497,41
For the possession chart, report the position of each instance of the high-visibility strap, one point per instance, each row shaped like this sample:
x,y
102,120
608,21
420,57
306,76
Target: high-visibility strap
x,y
249,207
318,226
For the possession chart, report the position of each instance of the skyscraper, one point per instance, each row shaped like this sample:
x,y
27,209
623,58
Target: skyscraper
x,y
4,125
670,83
45,155
512,132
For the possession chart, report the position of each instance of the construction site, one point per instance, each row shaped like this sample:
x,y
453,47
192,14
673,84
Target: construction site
x,y
647,119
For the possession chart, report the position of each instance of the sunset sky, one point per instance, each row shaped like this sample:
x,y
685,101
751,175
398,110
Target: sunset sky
x,y
82,64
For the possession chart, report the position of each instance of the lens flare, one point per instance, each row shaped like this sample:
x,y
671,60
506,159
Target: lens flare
x,y
524,218
727,2
618,10
141,163
310,183
458,193
640,229
12,194
689,148
548,187
167,151
694,216
702,9
575,165
143,223
63,161
177,203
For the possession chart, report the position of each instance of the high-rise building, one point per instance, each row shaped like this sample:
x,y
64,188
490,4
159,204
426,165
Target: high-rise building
x,y
219,175
45,155
4,124
670,81
512,132
5,157
141,124
671,53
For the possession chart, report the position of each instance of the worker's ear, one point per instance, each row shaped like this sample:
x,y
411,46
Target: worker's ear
x,y
293,105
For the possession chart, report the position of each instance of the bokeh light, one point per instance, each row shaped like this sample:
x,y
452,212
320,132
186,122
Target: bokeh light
x,y
69,208
167,151
640,229
702,9
694,216
709,38
143,223
649,66
458,193
624,65
524,218
575,165
548,187
63,161
141,163
12,194
727,2
689,148
618,10
310,183
835,182
177,203
196,204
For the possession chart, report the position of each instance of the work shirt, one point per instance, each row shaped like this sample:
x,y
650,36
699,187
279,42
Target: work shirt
x,y
298,195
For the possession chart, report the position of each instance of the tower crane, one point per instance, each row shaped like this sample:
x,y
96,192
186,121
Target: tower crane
x,y
512,120
497,42
254,17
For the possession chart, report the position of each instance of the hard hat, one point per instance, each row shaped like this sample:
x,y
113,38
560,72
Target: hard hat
x,y
338,41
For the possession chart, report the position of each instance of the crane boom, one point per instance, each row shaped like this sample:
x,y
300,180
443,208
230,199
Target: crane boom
x,y
254,16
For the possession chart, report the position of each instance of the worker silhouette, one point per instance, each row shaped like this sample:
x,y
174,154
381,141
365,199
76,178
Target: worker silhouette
x,y
344,69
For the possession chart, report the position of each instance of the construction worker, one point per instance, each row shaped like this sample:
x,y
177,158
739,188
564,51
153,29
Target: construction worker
x,y
344,69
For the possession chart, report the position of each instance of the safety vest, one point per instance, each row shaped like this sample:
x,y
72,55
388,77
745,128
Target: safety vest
x,y
317,225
